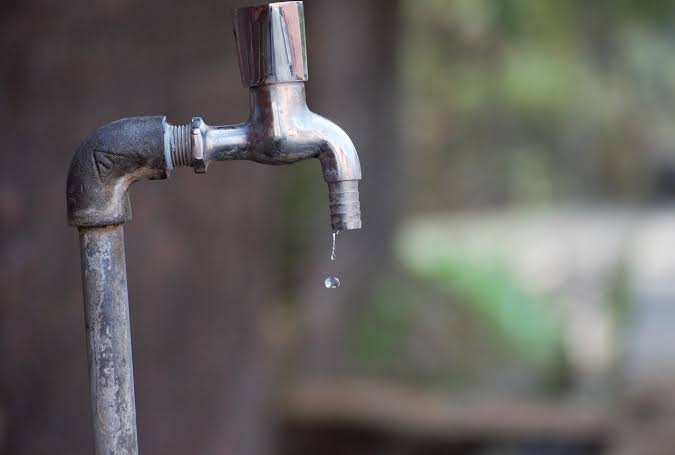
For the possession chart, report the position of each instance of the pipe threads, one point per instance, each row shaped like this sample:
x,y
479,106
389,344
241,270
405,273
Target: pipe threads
x,y
345,209
181,145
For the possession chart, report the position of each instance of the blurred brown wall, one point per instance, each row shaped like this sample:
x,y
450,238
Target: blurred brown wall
x,y
198,248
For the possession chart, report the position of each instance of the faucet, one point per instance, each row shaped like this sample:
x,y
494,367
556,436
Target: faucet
x,y
280,130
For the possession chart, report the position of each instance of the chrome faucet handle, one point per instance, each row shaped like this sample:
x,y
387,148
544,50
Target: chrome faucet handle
x,y
271,43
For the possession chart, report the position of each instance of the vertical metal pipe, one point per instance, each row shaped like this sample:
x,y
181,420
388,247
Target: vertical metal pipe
x,y
104,280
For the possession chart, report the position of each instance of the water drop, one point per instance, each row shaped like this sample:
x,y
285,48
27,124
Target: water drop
x,y
332,252
332,282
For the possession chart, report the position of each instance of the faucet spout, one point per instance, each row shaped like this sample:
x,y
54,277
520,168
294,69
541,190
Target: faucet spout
x,y
282,130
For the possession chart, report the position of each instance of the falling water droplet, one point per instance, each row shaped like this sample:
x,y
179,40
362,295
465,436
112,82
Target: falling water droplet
x,y
332,282
332,252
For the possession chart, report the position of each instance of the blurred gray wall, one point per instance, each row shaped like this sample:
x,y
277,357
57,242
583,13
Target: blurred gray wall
x,y
198,249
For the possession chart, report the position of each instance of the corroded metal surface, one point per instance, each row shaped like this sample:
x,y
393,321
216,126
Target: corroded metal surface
x,y
108,340
107,163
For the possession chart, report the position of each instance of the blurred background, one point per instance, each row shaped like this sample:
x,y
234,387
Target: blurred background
x,y
512,290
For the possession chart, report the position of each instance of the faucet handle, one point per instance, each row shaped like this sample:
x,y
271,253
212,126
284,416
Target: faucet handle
x,y
271,43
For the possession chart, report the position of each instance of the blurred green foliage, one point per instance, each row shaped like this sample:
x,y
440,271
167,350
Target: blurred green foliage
x,y
516,103
382,334
481,280
521,320
538,101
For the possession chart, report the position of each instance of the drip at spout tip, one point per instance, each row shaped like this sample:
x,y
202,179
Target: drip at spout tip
x,y
345,209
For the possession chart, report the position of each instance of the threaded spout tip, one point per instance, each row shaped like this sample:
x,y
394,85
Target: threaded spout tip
x,y
345,209
181,145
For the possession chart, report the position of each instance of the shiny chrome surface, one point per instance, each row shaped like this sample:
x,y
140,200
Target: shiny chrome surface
x,y
271,43
282,130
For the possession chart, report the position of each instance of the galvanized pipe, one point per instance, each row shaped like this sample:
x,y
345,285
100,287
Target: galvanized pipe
x,y
106,306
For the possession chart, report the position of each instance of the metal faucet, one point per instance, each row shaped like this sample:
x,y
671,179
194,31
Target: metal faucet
x,y
280,130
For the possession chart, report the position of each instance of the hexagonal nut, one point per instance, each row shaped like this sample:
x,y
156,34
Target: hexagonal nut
x,y
198,129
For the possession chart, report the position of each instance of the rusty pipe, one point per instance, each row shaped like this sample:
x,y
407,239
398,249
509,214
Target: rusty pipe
x,y
104,279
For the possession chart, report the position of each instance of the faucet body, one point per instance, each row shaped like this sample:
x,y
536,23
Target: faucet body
x,y
280,130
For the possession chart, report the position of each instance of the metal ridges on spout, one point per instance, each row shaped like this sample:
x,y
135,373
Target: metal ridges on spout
x,y
345,209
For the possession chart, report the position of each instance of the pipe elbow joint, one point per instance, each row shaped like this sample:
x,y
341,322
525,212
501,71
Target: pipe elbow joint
x,y
107,163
